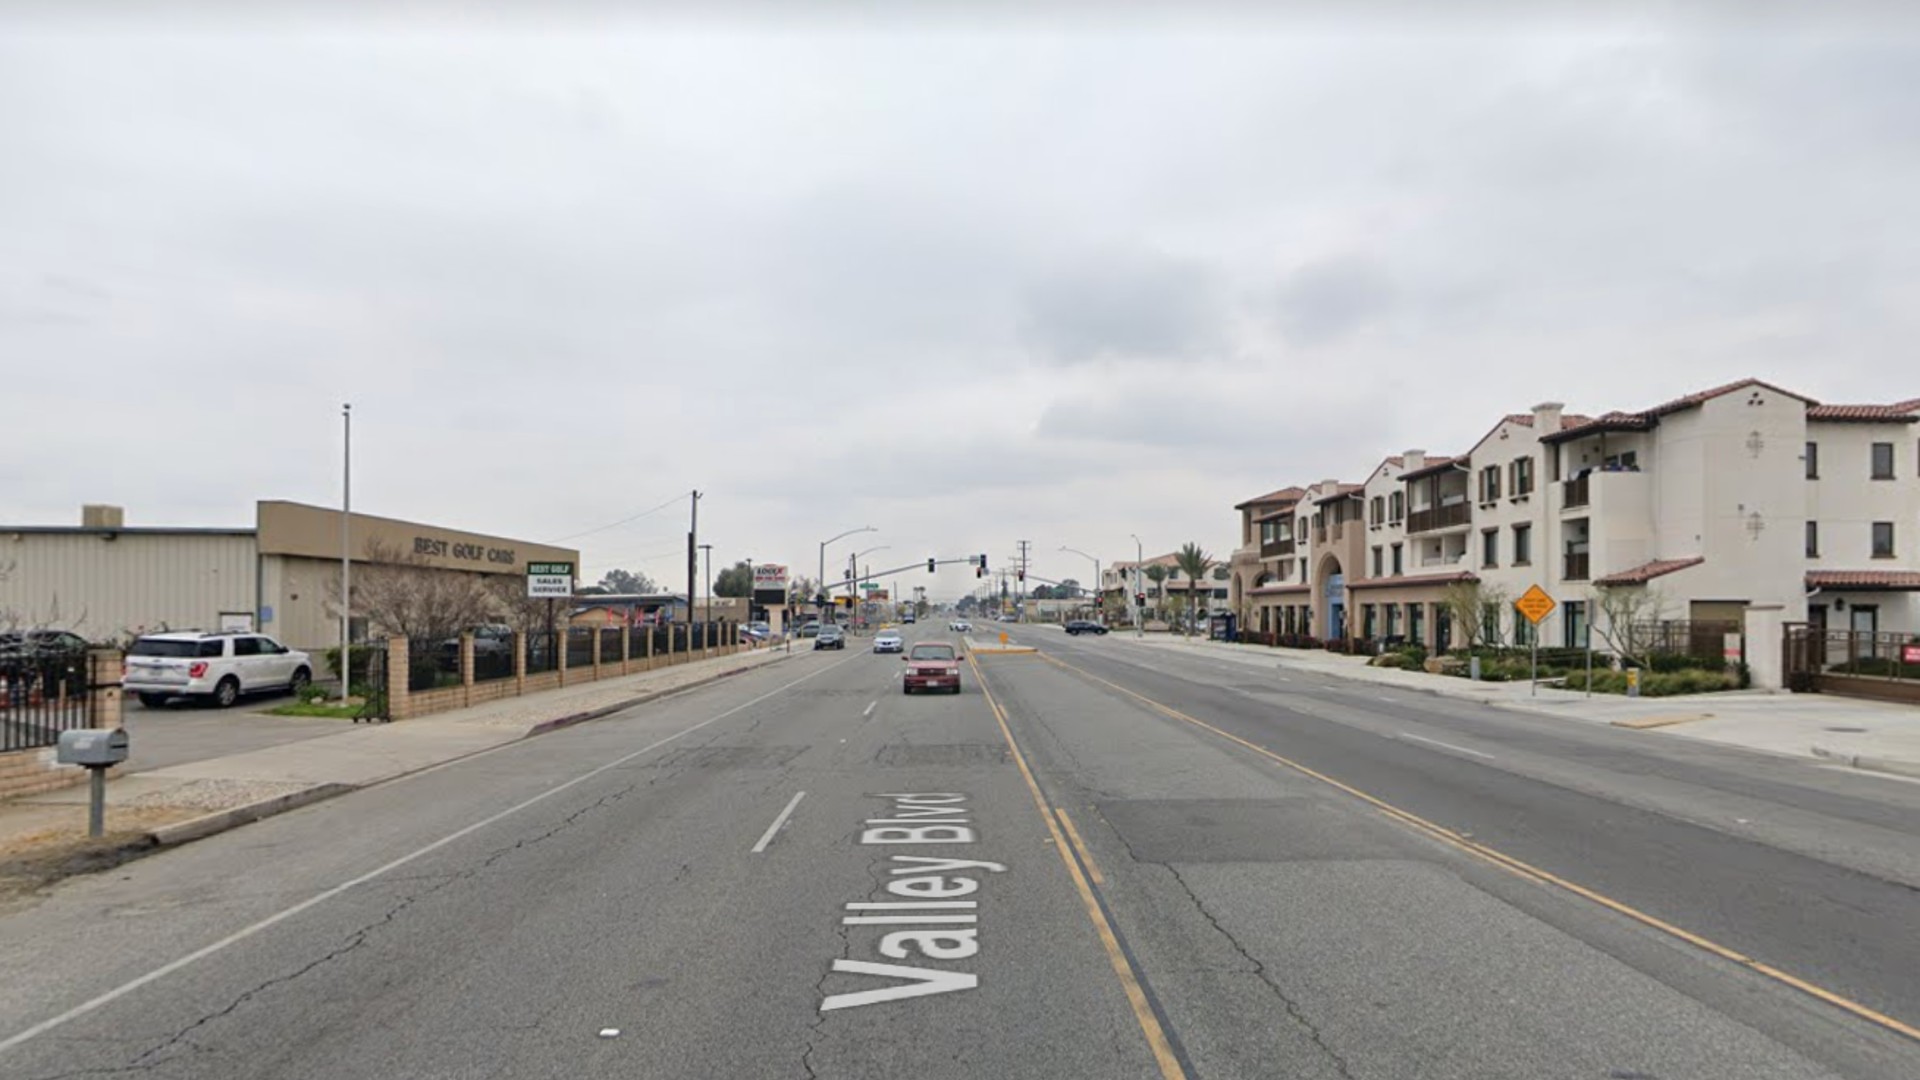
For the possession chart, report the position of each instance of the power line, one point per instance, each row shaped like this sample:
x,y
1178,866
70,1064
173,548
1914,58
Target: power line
x,y
622,521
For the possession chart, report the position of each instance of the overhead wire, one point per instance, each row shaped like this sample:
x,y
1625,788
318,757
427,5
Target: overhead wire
x,y
623,521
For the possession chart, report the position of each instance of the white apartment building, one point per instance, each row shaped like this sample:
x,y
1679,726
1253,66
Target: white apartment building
x,y
1745,503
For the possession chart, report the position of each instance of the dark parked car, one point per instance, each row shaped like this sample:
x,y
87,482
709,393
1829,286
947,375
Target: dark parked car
x,y
1085,626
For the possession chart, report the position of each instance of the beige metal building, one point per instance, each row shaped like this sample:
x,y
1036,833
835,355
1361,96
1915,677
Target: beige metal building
x,y
109,581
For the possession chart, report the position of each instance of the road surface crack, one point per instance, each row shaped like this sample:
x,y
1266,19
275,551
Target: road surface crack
x,y
146,1058
1259,968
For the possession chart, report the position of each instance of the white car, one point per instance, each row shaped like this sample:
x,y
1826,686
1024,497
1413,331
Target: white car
x,y
889,641
213,667
961,625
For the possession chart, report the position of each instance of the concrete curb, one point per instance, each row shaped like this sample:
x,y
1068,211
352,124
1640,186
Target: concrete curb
x,y
545,726
221,820
1894,766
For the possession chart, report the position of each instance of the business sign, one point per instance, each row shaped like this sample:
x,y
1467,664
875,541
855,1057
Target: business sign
x,y
1910,654
769,584
550,580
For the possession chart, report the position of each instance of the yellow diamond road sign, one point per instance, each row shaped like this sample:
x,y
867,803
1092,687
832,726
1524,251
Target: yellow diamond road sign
x,y
1535,604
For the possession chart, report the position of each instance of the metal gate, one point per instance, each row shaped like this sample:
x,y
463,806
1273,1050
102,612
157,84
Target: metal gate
x,y
41,695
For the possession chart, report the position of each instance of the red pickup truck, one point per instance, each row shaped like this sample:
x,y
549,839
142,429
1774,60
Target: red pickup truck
x,y
932,666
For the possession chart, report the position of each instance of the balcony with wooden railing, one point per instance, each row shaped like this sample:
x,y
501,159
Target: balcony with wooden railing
x,y
1452,515
1275,549
1577,492
1576,566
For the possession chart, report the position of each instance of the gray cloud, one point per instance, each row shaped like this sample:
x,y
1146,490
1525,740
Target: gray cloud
x,y
1123,306
1328,300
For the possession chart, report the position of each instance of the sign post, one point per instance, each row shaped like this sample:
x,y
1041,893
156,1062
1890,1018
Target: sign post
x,y
1536,605
554,581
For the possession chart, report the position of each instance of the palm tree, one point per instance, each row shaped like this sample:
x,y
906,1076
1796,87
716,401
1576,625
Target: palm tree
x,y
1158,575
1194,563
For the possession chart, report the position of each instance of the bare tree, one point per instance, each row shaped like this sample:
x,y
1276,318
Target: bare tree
x,y
1622,616
401,592
1466,602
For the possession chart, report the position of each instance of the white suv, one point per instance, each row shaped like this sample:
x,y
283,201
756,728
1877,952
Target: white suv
x,y
216,667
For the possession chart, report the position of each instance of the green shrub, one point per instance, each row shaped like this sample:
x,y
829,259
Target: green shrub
x,y
1655,683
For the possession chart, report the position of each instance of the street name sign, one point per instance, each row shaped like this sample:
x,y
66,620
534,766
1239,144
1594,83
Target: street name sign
x,y
1535,604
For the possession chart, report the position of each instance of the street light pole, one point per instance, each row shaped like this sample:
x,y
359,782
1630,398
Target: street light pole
x,y
1099,608
707,550
346,552
1139,606
823,554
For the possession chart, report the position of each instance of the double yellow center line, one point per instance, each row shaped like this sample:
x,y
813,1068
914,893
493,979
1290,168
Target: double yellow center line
x,y
1130,984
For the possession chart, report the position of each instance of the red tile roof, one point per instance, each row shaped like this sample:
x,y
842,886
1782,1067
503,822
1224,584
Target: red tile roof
x,y
1416,579
1434,465
1700,396
1904,412
1594,425
1646,572
1340,491
1285,494
1882,580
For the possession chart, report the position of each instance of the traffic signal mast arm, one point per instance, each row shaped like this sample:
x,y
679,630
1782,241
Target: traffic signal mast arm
x,y
847,582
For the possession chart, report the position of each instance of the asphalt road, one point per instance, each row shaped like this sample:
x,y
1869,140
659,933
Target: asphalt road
x,y
803,872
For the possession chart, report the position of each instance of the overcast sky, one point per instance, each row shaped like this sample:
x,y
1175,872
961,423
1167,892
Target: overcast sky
x,y
965,279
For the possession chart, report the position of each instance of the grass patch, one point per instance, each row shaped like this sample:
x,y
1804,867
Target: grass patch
x,y
334,711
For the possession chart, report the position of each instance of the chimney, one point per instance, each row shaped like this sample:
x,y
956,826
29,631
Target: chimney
x,y
101,516
1412,460
1546,417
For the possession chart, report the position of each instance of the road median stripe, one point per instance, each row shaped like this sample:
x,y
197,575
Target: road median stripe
x,y
1157,1042
1521,868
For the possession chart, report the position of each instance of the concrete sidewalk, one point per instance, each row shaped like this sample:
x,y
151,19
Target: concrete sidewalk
x,y
1875,735
186,800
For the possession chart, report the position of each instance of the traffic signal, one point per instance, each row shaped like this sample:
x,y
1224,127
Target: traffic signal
x,y
1139,598
929,566
979,571
983,563
1023,575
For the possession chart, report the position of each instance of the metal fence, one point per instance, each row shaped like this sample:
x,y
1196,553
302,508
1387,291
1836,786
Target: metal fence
x,y
492,659
42,695
580,642
1811,652
609,646
1703,639
543,652
370,681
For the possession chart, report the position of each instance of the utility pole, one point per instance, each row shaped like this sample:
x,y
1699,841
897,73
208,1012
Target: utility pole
x,y
693,558
1139,605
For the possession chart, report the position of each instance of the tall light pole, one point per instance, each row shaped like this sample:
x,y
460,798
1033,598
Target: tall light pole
x,y
707,551
1139,606
1097,585
853,572
823,553
346,552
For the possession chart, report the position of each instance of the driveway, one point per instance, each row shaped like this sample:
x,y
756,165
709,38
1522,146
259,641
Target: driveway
x,y
180,733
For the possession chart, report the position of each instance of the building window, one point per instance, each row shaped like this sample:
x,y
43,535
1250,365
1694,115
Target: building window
x,y
1393,620
1490,624
1574,625
1377,553
1522,476
1813,539
1377,510
1883,539
1523,545
1553,464
1367,626
1417,623
1883,461
1396,507
1813,461
1490,483
1397,565
1523,631
1303,569
1490,548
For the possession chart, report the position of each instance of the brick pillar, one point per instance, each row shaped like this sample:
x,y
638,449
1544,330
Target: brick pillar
x,y
598,639
399,705
650,636
103,698
561,640
626,646
519,663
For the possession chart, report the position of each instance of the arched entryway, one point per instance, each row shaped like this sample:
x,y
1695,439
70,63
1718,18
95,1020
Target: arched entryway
x,y
1330,597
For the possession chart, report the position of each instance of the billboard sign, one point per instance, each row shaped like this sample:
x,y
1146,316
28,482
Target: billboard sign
x,y
769,584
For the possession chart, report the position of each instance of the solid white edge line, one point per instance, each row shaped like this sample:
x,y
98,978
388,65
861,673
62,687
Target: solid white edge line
x,y
871,705
246,932
1450,746
767,837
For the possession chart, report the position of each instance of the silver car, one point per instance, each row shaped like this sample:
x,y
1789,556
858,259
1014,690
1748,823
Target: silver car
x,y
889,641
